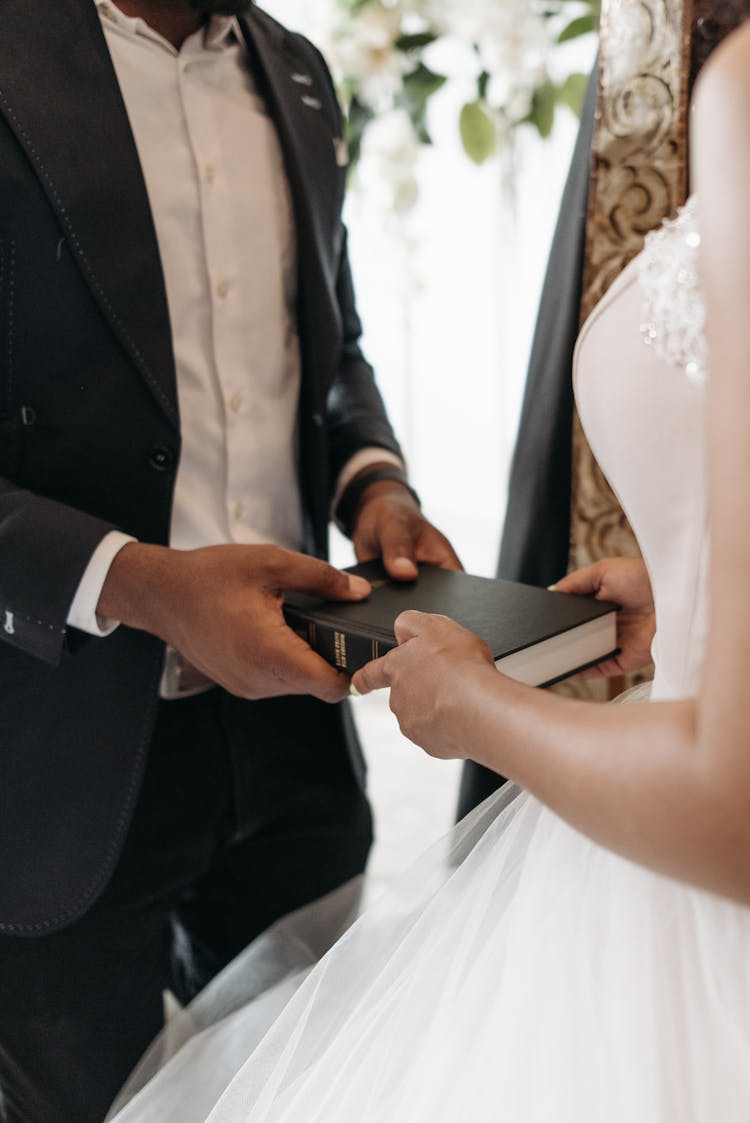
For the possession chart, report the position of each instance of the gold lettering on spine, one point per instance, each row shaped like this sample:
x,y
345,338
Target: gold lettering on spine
x,y
339,649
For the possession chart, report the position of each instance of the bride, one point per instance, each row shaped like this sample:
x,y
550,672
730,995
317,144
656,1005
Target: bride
x,y
577,950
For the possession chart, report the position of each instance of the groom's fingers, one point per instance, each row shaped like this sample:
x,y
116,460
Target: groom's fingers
x,y
398,547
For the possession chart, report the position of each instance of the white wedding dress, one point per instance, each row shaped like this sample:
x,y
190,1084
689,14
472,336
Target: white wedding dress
x,y
519,972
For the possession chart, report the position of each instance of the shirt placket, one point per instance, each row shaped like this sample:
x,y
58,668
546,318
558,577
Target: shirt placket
x,y
223,274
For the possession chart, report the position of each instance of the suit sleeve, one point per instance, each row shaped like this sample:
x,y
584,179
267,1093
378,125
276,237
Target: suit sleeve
x,y
45,547
356,415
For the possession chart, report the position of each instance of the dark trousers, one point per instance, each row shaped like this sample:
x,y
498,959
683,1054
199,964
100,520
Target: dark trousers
x,y
477,784
247,811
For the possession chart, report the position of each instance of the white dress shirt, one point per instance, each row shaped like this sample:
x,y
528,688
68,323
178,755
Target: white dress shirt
x,y
223,215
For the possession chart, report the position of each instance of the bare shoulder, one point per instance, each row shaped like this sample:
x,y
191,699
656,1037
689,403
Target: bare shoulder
x,y
724,84
720,134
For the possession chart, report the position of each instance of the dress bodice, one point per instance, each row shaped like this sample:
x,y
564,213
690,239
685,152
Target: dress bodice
x,y
639,378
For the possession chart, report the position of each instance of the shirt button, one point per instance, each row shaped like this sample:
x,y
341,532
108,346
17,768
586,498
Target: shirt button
x,y
161,458
222,290
235,403
238,509
210,173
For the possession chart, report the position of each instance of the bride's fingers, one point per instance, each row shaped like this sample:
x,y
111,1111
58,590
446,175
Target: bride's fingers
x,y
581,582
609,668
370,677
411,623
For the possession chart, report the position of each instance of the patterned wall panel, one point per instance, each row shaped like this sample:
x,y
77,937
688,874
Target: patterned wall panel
x,y
639,177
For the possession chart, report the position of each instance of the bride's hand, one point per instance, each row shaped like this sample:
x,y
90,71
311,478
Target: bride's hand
x,y
431,675
624,581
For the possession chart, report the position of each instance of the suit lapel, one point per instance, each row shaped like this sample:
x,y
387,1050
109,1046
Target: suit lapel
x,y
310,159
83,152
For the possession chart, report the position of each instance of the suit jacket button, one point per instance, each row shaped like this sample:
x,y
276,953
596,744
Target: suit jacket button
x,y
161,458
318,420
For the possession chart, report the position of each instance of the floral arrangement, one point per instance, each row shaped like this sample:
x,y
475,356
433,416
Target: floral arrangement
x,y
392,56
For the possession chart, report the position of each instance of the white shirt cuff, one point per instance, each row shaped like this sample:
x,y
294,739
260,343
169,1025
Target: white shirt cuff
x,y
360,460
82,613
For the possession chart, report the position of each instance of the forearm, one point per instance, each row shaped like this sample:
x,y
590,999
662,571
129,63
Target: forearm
x,y
638,778
138,585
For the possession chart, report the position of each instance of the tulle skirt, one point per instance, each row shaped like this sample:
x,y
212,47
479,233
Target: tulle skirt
x,y
518,972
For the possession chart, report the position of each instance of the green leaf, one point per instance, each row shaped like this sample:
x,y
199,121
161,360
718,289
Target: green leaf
x,y
573,91
418,87
583,25
478,132
421,84
416,42
542,114
357,120
354,6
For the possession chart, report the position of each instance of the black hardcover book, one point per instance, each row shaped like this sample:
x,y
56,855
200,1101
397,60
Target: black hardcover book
x,y
536,636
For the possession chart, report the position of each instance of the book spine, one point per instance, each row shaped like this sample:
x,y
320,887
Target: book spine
x,y
345,650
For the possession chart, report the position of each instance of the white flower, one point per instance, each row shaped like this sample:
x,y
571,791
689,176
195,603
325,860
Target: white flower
x,y
510,36
364,49
495,49
387,169
518,102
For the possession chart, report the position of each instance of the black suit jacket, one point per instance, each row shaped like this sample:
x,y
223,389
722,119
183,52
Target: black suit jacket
x,y
536,534
89,425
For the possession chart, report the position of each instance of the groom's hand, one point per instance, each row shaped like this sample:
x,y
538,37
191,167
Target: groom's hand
x,y
389,525
221,608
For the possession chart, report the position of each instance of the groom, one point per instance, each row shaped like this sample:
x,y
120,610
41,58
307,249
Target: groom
x,y
183,401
